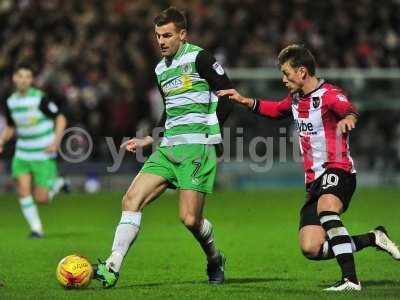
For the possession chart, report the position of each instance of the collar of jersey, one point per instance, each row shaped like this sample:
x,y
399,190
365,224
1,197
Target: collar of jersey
x,y
181,50
320,84
29,91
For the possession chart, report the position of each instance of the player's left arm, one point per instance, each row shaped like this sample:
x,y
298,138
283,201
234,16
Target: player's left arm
x,y
53,111
344,109
211,70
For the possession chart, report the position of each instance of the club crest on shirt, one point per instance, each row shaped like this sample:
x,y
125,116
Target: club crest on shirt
x,y
186,68
315,102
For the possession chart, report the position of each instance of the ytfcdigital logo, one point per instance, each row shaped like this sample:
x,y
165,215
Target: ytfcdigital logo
x,y
77,146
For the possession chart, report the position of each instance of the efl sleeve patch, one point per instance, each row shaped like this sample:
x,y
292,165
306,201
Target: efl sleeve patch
x,y
342,98
218,68
52,107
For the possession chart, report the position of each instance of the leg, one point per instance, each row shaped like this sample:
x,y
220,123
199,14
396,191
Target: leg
x,y
144,188
46,182
329,209
28,206
312,239
41,195
315,246
191,205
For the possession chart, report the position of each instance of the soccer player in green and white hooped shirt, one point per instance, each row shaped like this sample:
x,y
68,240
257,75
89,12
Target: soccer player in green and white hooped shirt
x,y
38,125
187,78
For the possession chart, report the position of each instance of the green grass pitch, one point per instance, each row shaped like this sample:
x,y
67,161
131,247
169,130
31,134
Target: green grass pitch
x,y
257,230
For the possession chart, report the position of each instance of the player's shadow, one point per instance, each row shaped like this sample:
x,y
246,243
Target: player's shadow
x,y
230,281
247,280
385,282
63,235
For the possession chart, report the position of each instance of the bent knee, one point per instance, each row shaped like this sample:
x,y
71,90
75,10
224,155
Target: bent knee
x,y
42,199
132,201
311,250
190,221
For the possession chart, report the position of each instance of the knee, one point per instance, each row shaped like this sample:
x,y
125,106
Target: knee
x,y
24,192
190,221
311,250
131,201
42,199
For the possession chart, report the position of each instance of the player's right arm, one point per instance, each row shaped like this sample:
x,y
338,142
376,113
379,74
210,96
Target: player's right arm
x,y
9,131
135,143
271,109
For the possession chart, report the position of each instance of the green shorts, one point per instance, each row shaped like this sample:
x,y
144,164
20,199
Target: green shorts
x,y
44,172
186,167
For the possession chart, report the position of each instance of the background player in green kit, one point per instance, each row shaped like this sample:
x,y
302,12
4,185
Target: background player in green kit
x,y
187,78
38,125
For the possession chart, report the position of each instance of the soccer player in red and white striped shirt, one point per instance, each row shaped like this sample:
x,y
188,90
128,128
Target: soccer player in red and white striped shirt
x,y
324,117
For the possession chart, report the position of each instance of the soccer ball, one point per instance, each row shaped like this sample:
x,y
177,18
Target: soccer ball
x,y
74,271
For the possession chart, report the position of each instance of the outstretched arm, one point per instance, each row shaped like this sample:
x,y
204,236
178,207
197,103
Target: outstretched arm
x,y
271,109
133,144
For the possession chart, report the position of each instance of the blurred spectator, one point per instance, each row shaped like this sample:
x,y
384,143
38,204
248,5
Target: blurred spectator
x,y
99,55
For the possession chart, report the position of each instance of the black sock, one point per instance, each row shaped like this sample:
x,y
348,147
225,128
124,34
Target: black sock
x,y
363,240
340,242
359,242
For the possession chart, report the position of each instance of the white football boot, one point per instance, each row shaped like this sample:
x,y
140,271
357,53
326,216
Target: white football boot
x,y
383,242
344,285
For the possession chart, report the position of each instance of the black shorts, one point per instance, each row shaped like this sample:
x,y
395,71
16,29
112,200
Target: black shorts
x,y
334,181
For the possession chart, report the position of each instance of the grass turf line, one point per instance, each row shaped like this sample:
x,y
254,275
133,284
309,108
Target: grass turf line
x,y
257,230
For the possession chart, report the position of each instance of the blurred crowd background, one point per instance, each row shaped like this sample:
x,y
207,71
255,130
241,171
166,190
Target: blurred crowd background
x,y
98,56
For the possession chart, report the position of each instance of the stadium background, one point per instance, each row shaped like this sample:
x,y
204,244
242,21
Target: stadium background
x,y
97,58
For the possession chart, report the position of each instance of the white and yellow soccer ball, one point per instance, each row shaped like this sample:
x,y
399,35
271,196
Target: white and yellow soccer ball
x,y
74,271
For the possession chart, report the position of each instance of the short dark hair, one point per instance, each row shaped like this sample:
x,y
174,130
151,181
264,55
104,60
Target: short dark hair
x,y
297,56
24,65
171,15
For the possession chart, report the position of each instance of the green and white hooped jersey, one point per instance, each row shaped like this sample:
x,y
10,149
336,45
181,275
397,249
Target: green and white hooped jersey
x,y
189,103
35,131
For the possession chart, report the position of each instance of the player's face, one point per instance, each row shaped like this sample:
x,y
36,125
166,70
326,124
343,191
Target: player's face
x,y
293,78
23,79
169,38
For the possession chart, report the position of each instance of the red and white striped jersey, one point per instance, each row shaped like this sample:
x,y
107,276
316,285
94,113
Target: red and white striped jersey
x,y
316,116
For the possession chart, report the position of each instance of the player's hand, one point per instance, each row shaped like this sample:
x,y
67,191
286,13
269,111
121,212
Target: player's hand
x,y
132,144
52,148
235,96
346,125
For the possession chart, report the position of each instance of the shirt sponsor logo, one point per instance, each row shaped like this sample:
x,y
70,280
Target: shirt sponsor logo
x,y
304,126
218,68
173,84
